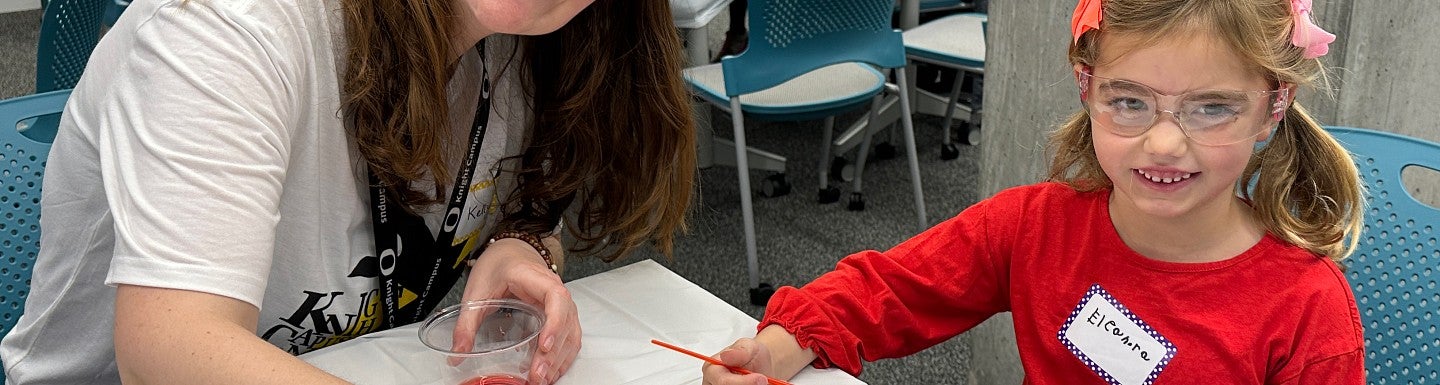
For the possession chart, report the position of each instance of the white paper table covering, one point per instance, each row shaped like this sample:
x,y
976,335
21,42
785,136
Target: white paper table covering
x,y
620,312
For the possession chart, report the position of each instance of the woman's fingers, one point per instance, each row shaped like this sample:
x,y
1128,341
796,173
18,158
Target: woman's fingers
x,y
560,339
512,269
464,334
551,365
567,359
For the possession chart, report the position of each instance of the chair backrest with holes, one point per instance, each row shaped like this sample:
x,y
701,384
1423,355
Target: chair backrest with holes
x,y
69,31
1396,270
23,149
789,38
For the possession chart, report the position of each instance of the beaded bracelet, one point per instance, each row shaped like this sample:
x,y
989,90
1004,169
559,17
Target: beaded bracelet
x,y
534,242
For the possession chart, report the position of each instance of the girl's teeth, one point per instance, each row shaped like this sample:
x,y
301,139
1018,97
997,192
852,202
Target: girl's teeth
x,y
1164,180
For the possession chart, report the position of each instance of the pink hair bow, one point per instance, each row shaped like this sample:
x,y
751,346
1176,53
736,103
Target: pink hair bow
x,y
1307,35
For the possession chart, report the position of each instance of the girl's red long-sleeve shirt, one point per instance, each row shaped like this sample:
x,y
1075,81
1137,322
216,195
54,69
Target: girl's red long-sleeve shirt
x,y
1087,308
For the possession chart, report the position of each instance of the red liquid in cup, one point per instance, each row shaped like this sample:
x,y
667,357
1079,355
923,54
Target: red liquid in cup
x,y
498,379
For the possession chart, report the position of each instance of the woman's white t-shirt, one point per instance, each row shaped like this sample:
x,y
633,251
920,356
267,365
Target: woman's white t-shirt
x,y
204,150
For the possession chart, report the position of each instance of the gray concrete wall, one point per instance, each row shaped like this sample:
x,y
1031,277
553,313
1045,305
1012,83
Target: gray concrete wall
x,y
1386,76
1028,89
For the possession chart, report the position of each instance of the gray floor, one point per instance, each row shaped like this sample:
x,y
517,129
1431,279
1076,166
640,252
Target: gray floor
x,y
18,33
798,238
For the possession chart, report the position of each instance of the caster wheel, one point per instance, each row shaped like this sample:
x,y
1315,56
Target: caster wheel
x,y
857,202
840,169
829,195
774,186
971,135
759,296
885,151
949,152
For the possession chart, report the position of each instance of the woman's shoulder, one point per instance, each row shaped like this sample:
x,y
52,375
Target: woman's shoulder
x,y
278,21
271,41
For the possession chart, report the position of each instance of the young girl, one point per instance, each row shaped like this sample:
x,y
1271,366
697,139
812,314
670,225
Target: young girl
x,y
236,182
1150,258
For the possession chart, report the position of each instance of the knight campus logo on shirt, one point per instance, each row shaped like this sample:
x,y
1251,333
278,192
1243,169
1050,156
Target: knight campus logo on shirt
x,y
1113,342
317,323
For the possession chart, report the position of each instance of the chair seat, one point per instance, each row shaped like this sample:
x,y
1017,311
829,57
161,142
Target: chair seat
x,y
939,5
956,40
815,94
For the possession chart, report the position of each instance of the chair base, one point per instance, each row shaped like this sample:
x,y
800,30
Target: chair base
x,y
758,159
885,151
774,186
828,195
949,152
857,202
760,295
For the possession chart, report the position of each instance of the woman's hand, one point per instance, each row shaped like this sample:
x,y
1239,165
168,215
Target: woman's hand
x,y
511,268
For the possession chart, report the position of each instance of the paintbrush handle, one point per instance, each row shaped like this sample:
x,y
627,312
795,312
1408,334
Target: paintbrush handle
x,y
713,361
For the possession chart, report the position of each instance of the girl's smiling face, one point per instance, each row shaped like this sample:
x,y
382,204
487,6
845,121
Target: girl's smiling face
x,y
1162,173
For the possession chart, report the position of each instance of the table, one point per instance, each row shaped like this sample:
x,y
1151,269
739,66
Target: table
x,y
693,16
620,311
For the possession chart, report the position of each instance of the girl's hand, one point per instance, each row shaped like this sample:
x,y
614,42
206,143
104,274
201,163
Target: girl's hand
x,y
744,353
511,268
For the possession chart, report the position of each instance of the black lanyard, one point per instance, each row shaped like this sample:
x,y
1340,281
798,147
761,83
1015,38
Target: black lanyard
x,y
411,263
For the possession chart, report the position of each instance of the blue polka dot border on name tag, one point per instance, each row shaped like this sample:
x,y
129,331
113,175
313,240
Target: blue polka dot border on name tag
x,y
1113,342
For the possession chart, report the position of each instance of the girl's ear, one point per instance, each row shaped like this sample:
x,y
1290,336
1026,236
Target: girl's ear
x,y
1082,79
1284,96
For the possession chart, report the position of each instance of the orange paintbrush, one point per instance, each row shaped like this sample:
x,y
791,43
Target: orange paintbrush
x,y
713,361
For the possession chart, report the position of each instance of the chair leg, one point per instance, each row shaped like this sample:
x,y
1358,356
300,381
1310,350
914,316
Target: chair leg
x,y
828,193
857,194
948,150
759,295
909,124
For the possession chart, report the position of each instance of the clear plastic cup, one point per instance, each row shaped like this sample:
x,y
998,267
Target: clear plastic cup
x,y
504,333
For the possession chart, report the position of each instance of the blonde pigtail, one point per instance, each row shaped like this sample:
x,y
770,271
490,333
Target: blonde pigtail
x,y
1306,188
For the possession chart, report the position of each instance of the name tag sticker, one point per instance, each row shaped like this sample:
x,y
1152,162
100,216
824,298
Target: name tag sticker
x,y
1114,343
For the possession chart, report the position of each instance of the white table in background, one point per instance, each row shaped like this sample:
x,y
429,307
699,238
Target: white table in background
x,y
692,16
620,312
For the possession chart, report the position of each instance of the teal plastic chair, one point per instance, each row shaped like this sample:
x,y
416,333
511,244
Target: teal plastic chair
x,y
809,59
113,9
68,33
941,5
23,153
956,42
1396,271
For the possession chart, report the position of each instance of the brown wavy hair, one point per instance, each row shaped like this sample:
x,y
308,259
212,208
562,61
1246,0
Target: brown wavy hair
x,y
1306,189
611,136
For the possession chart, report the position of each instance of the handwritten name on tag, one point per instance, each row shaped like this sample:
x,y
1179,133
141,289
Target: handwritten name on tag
x,y
1116,344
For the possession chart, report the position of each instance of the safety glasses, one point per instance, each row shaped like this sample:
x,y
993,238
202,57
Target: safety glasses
x,y
1209,117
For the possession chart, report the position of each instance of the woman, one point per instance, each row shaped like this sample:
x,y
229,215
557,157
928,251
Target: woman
x,y
247,175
